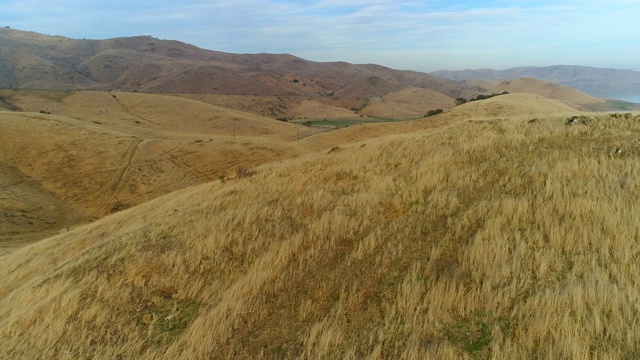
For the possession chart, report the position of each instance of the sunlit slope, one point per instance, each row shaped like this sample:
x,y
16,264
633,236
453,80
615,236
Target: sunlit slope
x,y
314,109
504,239
521,106
87,164
100,152
409,102
84,155
564,94
158,115
513,105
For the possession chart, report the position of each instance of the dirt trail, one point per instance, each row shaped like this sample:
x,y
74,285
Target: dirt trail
x,y
128,159
133,151
129,110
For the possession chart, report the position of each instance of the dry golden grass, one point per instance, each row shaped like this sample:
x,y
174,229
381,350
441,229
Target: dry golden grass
x,y
409,102
519,105
101,152
512,106
506,239
89,154
564,94
320,109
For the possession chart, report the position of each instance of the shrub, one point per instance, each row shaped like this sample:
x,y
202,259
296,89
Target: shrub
x,y
460,100
483,96
433,112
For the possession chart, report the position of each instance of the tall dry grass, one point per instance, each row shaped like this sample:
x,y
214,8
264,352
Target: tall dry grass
x,y
503,239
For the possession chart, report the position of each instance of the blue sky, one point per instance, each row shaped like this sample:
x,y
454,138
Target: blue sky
x,y
402,34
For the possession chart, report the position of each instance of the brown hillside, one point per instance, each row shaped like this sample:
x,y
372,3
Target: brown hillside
x,y
282,106
520,106
144,63
408,103
567,95
484,84
513,105
448,243
93,153
147,113
319,109
100,152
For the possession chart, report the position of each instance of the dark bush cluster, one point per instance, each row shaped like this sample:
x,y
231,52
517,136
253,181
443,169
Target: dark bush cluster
x,y
461,100
483,97
433,112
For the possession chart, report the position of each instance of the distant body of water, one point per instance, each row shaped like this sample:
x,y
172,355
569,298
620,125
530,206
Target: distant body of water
x,y
634,98
630,93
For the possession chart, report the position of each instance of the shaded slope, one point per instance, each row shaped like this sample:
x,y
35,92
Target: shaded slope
x,y
28,211
414,247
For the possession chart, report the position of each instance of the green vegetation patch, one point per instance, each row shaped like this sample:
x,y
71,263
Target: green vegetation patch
x,y
473,334
613,105
169,320
340,123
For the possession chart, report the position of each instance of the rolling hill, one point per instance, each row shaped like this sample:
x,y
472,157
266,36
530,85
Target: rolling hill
x,y
517,105
602,83
567,95
448,243
408,103
73,157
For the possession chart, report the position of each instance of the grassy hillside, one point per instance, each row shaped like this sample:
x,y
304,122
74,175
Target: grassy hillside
x,y
567,95
68,158
72,157
408,103
506,239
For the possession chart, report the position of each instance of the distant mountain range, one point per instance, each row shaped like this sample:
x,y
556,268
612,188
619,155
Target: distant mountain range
x,y
598,82
29,60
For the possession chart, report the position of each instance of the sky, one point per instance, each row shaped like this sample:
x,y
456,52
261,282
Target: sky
x,y
401,34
